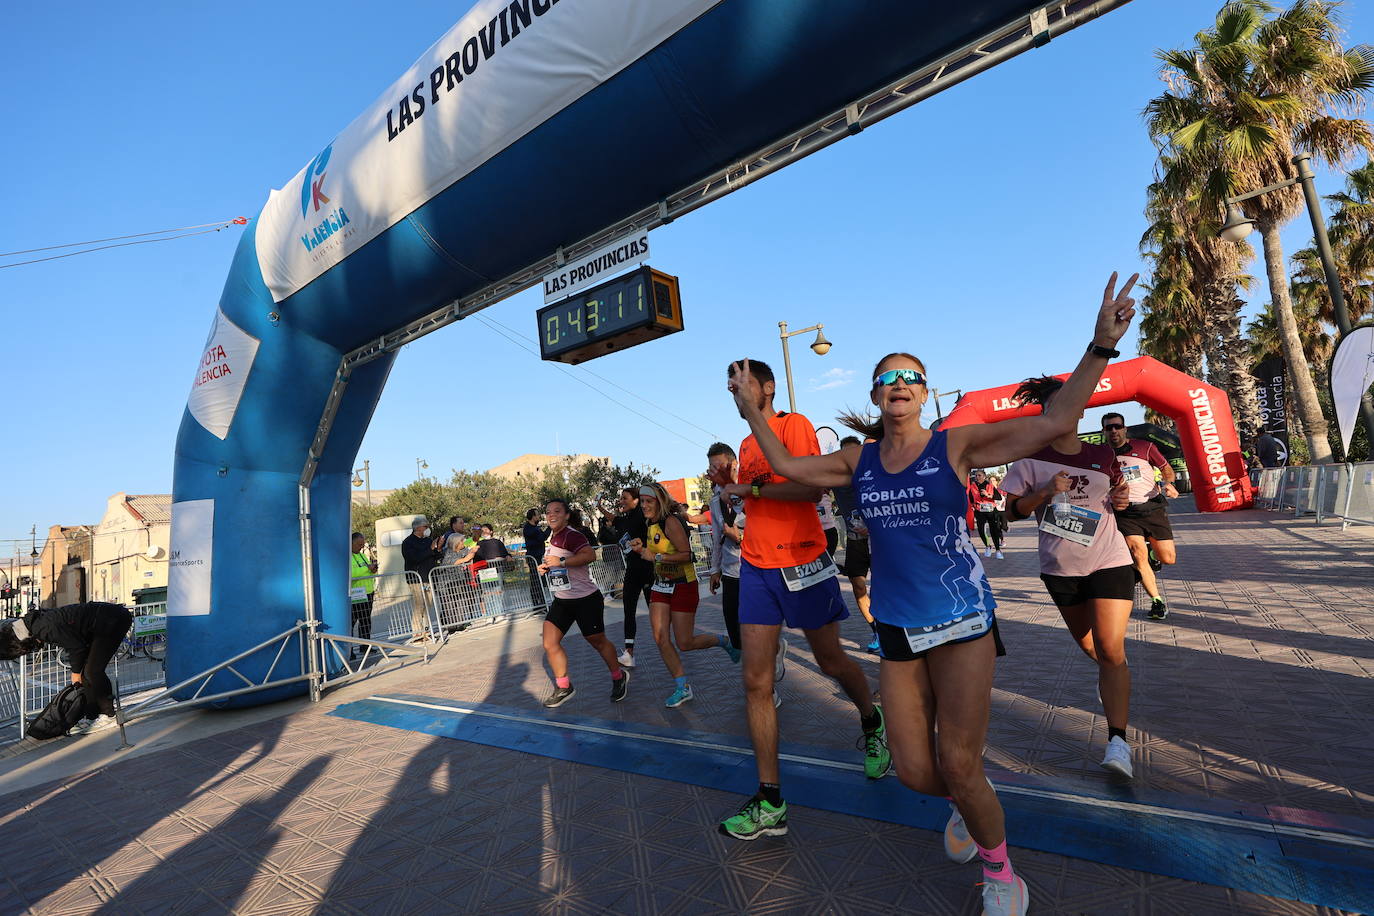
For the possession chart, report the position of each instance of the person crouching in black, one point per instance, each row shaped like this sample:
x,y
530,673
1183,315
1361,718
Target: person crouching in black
x,y
90,632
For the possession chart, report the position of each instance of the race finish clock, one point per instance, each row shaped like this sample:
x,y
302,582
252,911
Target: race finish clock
x,y
633,308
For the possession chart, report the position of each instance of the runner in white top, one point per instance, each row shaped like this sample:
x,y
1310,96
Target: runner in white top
x,y
1072,487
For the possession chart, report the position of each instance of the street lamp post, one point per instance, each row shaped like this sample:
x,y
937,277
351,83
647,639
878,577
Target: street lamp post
x,y
936,395
365,480
820,345
420,465
1237,227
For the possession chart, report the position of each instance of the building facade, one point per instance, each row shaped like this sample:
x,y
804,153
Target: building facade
x,y
129,547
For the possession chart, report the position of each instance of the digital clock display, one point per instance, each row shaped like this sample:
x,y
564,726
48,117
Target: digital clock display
x,y
620,313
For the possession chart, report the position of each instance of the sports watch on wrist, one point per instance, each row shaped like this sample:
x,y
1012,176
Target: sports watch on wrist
x,y
1104,352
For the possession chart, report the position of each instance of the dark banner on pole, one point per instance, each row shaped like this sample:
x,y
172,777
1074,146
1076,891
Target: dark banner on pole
x,y
1273,398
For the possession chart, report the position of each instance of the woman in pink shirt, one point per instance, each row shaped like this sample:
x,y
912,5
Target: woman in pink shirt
x,y
576,599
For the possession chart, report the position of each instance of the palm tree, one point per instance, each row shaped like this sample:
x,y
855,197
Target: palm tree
x,y
1257,88
1193,307
1171,326
1265,335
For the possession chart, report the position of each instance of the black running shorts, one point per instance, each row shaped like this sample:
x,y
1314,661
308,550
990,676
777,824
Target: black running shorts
x,y
588,612
856,558
1113,582
1148,520
893,645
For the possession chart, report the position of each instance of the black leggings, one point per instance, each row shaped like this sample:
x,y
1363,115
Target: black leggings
x,y
94,682
729,605
990,520
636,586
832,540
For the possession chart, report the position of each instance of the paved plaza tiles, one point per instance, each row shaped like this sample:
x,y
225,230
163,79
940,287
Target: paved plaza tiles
x,y
447,788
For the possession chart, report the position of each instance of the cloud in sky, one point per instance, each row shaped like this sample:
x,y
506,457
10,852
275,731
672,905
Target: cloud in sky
x,y
832,378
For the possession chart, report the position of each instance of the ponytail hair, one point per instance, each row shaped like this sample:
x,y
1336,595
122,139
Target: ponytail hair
x,y
1037,390
865,424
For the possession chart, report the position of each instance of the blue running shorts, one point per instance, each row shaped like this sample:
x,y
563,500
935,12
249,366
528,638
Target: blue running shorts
x,y
764,599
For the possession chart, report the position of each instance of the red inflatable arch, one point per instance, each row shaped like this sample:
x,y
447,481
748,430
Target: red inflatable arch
x,y
1201,411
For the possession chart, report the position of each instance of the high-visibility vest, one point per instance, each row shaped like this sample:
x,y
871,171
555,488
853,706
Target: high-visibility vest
x,y
361,570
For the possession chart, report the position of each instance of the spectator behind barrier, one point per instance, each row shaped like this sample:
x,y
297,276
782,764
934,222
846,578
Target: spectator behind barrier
x,y
535,537
489,546
362,586
421,556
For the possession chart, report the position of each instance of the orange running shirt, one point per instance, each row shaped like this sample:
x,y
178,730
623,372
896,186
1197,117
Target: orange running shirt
x,y
779,532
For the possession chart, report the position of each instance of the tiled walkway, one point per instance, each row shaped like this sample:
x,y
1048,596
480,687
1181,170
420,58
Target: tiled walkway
x,y
1256,690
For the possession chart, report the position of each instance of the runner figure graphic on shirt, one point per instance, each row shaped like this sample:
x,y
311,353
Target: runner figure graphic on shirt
x,y
963,550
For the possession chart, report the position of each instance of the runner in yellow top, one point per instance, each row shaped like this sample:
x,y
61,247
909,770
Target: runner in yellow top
x,y
674,596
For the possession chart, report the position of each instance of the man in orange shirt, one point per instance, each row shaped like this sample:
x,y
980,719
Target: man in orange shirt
x,y
788,577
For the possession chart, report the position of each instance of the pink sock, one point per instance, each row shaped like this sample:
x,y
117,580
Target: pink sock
x,y
996,865
567,682
617,674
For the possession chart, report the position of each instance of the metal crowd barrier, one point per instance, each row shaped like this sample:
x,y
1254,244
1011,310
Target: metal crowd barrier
x,y
608,570
503,587
1343,492
701,550
9,694
401,610
141,661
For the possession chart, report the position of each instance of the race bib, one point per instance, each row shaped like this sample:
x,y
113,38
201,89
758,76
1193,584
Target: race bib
x,y
558,579
1132,472
987,507
806,575
357,593
1080,526
923,639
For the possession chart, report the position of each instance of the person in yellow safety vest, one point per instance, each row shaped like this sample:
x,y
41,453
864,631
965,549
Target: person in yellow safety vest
x,y
362,584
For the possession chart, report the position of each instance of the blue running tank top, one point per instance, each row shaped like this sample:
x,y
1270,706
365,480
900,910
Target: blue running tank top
x,y
926,571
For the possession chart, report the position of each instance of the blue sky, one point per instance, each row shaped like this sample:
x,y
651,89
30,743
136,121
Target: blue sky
x,y
975,230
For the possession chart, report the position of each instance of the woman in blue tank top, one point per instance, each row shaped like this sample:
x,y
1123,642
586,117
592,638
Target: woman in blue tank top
x,y
930,597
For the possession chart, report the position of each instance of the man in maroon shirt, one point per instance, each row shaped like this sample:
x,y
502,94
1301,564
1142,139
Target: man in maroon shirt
x,y
1145,522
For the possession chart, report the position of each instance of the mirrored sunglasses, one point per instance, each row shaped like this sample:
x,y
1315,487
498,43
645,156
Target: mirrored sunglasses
x,y
1113,425
908,376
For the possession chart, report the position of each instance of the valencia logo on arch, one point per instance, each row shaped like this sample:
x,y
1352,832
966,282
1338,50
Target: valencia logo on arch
x,y
314,200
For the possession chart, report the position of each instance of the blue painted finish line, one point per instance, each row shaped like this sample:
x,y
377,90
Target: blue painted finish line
x,y
1321,867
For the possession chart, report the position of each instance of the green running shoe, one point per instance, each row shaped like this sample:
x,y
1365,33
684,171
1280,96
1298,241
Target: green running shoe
x,y
757,818
1158,609
877,758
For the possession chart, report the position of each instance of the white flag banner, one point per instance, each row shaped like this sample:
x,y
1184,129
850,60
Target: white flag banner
x,y
1352,372
503,70
220,376
188,560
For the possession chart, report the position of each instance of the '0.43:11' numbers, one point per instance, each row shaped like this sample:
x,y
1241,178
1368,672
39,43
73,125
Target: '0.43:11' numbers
x,y
589,315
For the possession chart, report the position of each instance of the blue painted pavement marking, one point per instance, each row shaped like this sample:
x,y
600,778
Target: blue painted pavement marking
x,y
1192,839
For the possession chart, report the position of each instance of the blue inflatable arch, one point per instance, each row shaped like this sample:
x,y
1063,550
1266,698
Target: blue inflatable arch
x,y
533,131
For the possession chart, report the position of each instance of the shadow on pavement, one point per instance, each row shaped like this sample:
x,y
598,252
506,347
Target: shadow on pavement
x,y
84,820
